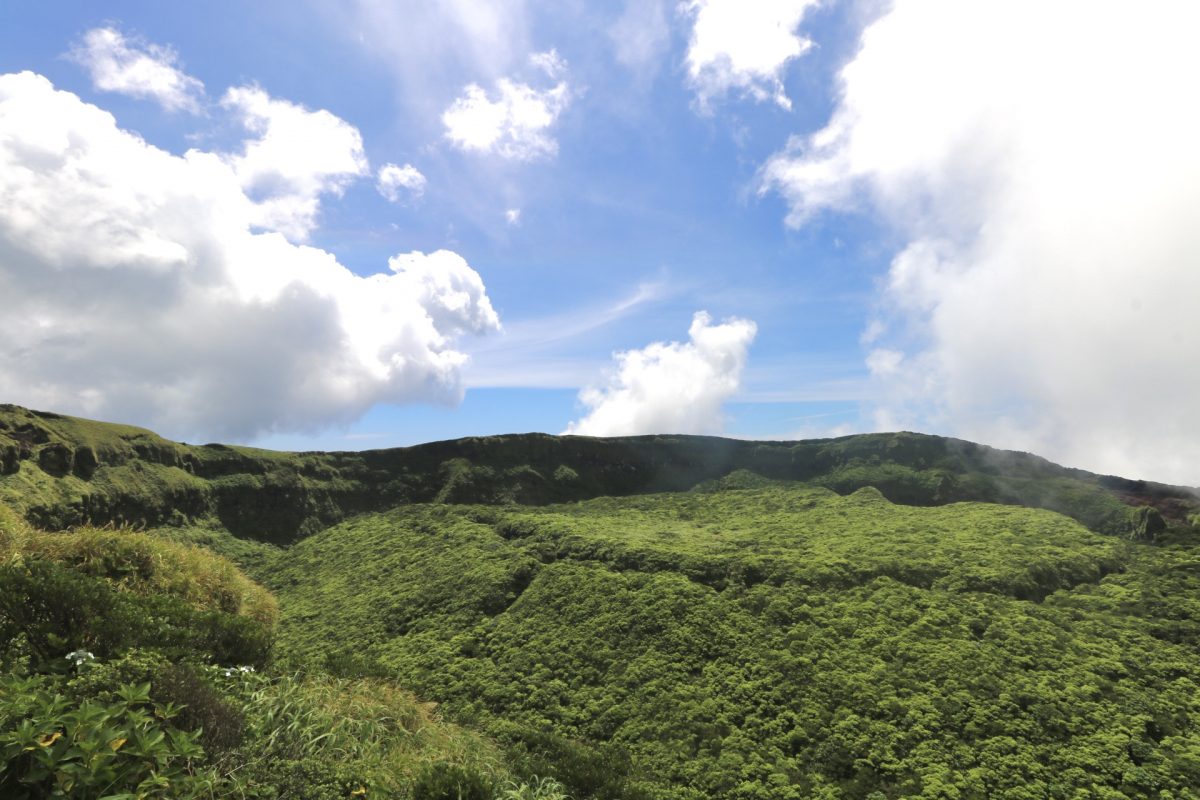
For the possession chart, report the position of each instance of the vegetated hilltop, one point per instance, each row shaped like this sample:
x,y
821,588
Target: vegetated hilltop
x,y
674,617
61,471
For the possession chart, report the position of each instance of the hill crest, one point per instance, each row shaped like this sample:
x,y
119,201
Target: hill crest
x,y
60,471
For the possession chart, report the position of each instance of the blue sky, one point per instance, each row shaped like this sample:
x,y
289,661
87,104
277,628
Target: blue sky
x,y
855,237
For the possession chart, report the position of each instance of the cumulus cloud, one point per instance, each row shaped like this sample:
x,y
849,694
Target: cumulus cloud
x,y
514,121
135,288
392,179
670,387
137,68
298,156
1041,162
744,47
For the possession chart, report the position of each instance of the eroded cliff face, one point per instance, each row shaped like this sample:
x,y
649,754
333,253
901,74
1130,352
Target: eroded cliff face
x,y
61,471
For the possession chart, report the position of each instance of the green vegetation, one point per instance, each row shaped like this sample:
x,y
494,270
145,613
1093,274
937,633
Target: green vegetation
x,y
780,642
880,616
131,673
60,472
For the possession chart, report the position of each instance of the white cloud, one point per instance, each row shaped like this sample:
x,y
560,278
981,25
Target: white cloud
x,y
549,62
513,216
516,123
641,35
883,362
744,46
135,289
422,42
670,387
392,178
137,68
1041,161
298,155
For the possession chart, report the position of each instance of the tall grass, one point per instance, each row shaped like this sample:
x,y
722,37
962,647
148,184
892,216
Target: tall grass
x,y
143,564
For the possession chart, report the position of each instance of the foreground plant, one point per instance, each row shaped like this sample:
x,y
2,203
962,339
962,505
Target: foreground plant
x,y
119,750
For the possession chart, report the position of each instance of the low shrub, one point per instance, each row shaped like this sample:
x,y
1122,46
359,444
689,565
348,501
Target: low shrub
x,y
203,710
143,564
50,610
537,789
443,781
125,748
583,770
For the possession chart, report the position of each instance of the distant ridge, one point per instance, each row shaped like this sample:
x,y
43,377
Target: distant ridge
x,y
61,471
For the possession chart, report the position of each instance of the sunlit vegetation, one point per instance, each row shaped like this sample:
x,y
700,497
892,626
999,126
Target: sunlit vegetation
x,y
135,668
541,617
780,642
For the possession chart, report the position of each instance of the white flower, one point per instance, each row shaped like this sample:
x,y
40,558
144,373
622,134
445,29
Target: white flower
x,y
79,656
231,671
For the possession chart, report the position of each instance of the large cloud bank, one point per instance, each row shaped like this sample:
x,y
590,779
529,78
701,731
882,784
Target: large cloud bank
x,y
1041,162
670,387
136,287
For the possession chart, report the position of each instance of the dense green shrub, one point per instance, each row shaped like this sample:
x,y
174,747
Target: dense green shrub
x,y
581,769
203,710
443,781
101,678
777,643
121,749
313,778
52,609
139,563
538,789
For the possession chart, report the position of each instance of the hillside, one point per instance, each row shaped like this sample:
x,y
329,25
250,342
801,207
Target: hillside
x,y
674,617
61,471
781,642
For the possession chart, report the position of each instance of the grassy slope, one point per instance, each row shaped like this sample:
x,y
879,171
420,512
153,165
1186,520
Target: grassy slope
x,y
781,641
